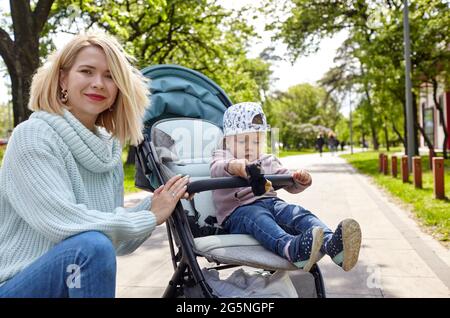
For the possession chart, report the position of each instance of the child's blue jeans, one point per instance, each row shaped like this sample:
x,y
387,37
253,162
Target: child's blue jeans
x,y
273,223
83,265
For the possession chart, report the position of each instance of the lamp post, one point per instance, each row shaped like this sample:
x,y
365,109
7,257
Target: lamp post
x,y
410,142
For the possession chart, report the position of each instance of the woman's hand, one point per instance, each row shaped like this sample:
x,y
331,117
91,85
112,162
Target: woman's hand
x,y
165,198
302,177
236,167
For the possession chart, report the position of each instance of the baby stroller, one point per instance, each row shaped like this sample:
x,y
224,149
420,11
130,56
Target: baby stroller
x,y
182,127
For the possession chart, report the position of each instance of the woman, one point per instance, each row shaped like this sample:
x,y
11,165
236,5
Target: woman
x,y
62,220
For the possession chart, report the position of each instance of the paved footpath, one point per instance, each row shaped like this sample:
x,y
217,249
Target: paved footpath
x,y
397,258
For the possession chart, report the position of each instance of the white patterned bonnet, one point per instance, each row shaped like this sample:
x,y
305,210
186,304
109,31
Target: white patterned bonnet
x,y
238,119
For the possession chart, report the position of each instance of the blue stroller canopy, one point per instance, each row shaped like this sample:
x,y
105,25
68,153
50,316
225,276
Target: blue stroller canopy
x,y
177,91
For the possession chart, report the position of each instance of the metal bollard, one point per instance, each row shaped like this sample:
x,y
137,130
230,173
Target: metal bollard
x,y
438,175
417,172
394,166
405,170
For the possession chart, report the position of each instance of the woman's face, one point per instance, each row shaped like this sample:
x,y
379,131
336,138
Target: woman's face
x,y
248,146
89,84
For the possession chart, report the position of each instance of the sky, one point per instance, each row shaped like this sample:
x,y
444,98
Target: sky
x,y
304,70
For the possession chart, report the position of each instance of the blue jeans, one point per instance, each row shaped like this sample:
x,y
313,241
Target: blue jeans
x,y
273,223
81,266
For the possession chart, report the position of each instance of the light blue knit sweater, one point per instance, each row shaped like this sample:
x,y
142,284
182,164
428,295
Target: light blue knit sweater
x,y
59,179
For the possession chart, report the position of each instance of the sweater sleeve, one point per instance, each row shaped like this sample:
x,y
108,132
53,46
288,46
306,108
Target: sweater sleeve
x,y
131,245
219,164
144,204
274,166
41,193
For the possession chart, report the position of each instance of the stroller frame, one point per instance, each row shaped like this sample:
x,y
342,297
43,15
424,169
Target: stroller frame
x,y
187,271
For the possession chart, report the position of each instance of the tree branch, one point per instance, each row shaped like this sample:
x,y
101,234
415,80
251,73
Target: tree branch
x,y
6,48
41,13
22,20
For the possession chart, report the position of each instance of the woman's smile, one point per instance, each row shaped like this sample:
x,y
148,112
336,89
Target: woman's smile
x,y
95,97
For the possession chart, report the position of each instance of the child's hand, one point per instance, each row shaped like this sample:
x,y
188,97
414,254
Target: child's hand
x,y
302,177
236,167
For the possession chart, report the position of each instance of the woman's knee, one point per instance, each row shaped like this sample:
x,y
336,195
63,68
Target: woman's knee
x,y
96,244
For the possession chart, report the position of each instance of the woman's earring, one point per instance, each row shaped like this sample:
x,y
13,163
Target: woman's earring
x,y
111,109
64,96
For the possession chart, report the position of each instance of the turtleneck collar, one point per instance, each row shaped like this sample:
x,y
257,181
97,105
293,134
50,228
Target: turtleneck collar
x,y
97,152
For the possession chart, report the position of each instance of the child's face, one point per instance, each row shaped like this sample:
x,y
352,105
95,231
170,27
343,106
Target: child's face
x,y
248,146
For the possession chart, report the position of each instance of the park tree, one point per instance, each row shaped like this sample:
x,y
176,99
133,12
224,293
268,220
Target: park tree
x,y
22,40
430,58
376,37
310,22
301,113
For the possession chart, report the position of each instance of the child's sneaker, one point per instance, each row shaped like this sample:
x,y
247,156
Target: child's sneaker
x,y
306,248
344,245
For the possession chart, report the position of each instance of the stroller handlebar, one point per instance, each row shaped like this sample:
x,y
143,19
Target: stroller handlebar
x,y
278,181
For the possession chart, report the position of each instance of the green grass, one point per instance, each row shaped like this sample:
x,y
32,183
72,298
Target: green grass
x,y
128,170
433,213
2,151
286,153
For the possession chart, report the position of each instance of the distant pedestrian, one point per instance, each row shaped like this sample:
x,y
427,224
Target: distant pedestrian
x,y
319,143
332,143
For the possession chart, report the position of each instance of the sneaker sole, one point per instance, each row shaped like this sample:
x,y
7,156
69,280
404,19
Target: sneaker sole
x,y
315,249
351,237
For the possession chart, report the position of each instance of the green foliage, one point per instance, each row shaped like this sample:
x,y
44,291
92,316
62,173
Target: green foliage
x,y
343,129
371,59
300,113
2,152
128,182
198,34
435,214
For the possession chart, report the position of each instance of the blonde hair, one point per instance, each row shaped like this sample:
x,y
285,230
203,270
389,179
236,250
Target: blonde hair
x,y
125,120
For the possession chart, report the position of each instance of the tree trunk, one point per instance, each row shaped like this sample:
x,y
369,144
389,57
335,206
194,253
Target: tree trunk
x,y
394,128
416,124
373,129
376,144
20,85
441,117
427,140
386,134
21,56
363,136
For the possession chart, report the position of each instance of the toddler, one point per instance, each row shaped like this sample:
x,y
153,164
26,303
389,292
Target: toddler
x,y
288,230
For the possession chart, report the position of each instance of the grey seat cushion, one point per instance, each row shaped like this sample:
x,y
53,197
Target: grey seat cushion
x,y
239,249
